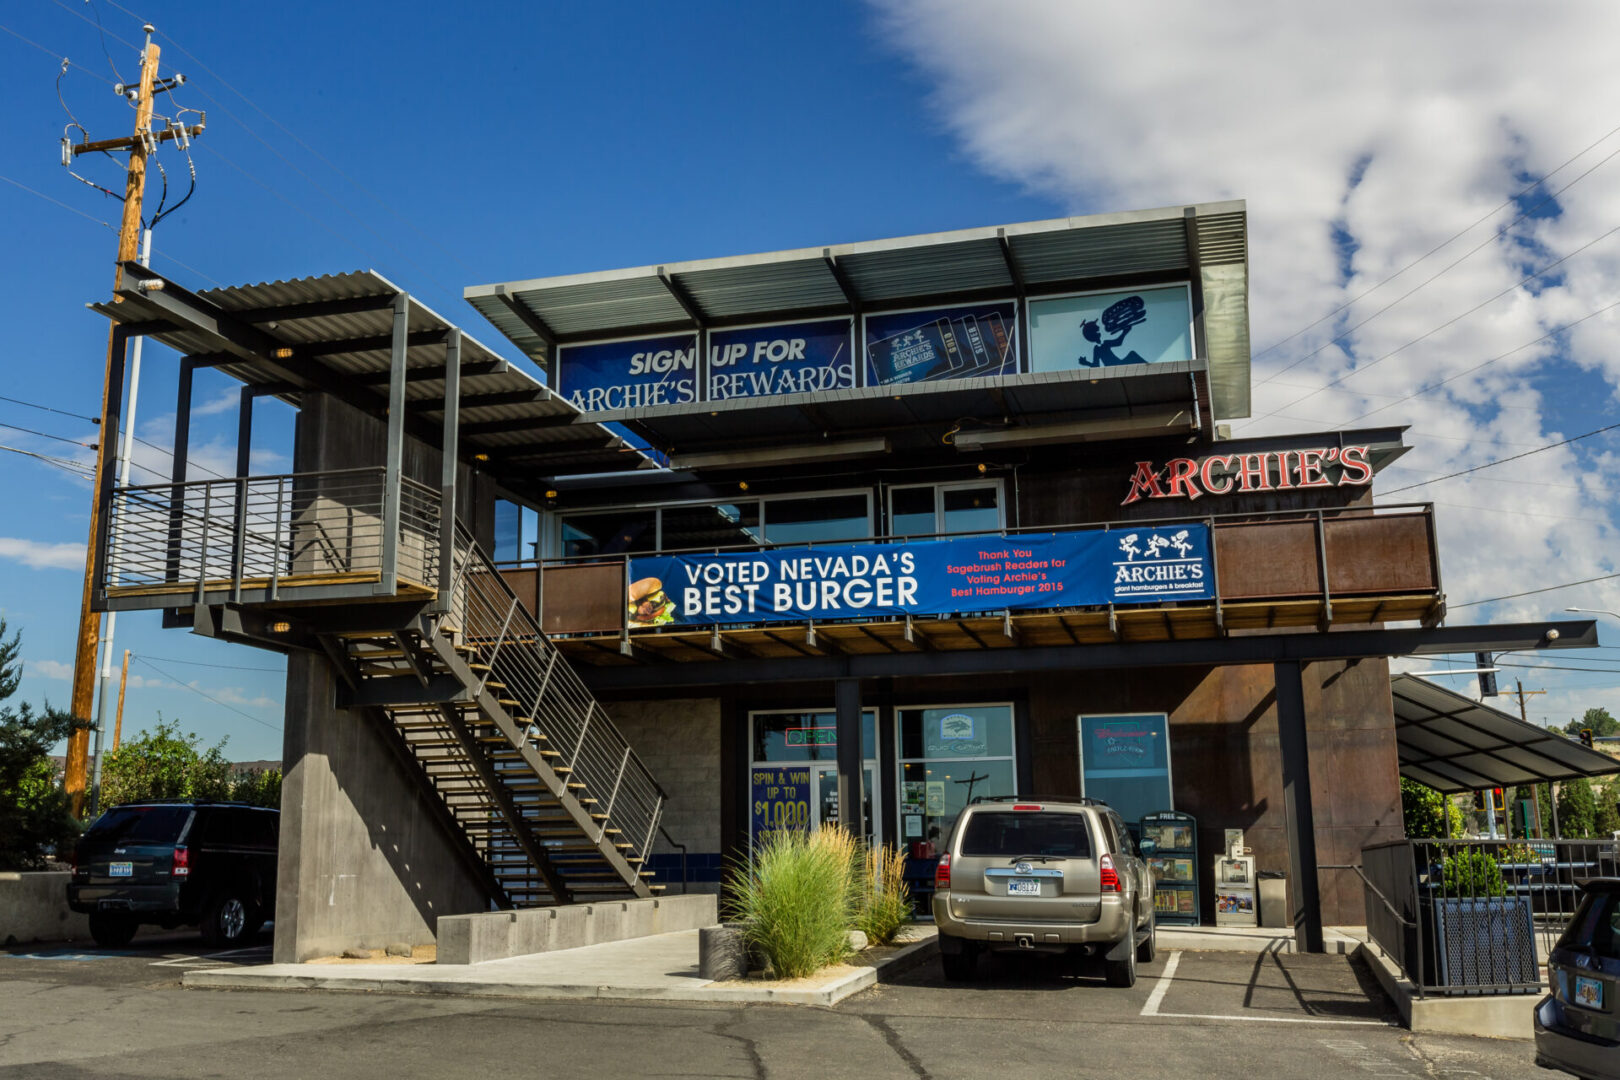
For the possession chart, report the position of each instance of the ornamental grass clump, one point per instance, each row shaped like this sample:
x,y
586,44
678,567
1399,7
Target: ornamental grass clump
x,y
797,898
884,905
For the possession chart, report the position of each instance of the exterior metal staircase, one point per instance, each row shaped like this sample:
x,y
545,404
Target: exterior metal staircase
x,y
531,769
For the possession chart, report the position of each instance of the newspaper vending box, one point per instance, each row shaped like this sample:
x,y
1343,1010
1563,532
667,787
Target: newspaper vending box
x,y
1235,891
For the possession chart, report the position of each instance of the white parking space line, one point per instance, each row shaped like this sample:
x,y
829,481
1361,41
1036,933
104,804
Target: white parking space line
x,y
1156,998
208,959
1162,987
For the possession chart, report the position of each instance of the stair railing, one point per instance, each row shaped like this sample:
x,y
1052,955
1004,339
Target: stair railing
x,y
551,697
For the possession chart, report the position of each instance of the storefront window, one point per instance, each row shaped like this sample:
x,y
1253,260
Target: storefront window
x,y
516,531
911,512
725,525
806,736
930,509
970,509
823,518
614,532
1125,762
949,756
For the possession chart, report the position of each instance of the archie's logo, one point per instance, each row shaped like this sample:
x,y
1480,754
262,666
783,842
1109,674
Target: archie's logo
x,y
1221,474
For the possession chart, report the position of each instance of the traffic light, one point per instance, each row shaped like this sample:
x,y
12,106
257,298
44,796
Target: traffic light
x,y
1586,737
1487,679
1479,800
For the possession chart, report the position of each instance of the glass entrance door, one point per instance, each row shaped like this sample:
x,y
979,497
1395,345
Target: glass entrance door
x,y
825,786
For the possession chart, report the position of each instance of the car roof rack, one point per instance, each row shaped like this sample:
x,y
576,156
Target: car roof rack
x,y
1081,800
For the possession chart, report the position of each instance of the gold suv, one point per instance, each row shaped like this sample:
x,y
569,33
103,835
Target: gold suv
x,y
1032,874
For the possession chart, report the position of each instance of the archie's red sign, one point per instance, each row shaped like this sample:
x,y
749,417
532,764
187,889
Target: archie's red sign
x,y
1269,470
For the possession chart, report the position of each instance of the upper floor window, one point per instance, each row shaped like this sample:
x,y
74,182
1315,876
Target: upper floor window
x,y
929,509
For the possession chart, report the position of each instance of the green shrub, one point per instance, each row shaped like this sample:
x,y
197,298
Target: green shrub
x,y
884,904
797,898
1428,813
257,787
36,819
1577,808
164,763
1472,873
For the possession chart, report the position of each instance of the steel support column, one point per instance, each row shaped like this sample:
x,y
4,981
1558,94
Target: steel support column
x,y
851,757
177,472
1298,816
449,463
393,465
244,453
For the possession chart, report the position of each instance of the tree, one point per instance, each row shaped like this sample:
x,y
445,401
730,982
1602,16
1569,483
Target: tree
x,y
1598,720
1606,817
1576,808
165,763
36,818
1428,813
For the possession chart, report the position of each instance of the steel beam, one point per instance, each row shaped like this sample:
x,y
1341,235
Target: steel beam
x,y
447,472
1298,816
1258,649
393,464
851,760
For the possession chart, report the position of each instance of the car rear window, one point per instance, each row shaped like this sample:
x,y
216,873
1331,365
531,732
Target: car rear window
x,y
1596,925
1010,833
140,824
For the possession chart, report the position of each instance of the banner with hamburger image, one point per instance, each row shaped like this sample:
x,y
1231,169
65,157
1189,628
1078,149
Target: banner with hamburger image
x,y
934,577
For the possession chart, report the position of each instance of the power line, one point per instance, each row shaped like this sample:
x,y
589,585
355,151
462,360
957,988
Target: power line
x,y
1501,461
1445,325
1555,331
1535,592
64,464
190,462
1559,667
1511,200
210,697
223,667
53,54
58,202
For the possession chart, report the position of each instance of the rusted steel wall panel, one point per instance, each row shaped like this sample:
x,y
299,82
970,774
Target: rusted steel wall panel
x,y
1266,559
1378,555
525,582
585,598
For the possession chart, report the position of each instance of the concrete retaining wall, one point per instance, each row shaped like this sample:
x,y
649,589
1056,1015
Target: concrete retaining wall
x,y
33,907
1495,1016
496,935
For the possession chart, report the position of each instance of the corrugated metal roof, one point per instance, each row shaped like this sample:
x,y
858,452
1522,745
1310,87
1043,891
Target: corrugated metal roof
x,y
1454,744
1064,254
335,334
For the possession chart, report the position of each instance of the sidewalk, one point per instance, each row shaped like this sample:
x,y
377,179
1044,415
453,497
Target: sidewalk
x,y
663,967
1339,940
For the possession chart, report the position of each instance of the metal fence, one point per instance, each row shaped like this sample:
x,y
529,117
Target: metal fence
x,y
533,672
1476,916
265,533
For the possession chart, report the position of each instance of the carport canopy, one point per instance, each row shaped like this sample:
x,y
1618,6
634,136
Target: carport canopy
x,y
1453,744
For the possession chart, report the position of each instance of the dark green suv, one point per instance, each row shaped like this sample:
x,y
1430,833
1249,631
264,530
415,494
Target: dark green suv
x,y
170,864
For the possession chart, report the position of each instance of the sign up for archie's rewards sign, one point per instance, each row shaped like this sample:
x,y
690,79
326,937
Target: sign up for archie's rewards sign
x,y
934,577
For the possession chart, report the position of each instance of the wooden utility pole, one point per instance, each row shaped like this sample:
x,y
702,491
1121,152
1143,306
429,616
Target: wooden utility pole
x,y
140,144
118,723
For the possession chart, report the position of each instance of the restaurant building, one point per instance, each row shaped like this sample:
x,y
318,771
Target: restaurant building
x,y
849,534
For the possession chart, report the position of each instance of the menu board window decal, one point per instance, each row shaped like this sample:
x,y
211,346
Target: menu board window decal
x,y
965,342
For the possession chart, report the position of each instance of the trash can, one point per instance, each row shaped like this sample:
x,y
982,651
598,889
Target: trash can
x,y
1273,898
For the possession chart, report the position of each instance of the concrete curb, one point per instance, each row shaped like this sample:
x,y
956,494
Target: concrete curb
x,y
300,977
1333,942
1494,1016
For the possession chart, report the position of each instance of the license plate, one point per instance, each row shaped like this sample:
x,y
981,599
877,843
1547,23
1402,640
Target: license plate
x,y
1588,992
120,869
1019,887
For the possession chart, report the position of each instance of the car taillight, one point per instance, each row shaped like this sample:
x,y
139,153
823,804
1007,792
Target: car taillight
x,y
1027,806
1110,879
942,872
182,862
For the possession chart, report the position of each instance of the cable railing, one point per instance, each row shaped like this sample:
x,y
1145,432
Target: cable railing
x,y
1477,916
265,533
552,700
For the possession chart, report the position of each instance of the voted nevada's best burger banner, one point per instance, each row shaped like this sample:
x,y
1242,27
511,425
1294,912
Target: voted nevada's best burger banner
x,y
934,577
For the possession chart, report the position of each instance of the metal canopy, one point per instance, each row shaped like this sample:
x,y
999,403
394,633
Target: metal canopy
x,y
333,333
1453,744
1207,241
913,415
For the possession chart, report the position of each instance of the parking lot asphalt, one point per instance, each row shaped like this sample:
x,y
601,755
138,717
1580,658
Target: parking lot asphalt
x,y
71,1012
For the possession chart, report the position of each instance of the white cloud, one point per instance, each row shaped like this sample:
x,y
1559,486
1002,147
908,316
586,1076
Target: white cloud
x,y
49,669
42,556
1361,139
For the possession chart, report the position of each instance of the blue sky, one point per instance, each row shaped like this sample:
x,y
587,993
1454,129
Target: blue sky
x,y
448,147
528,140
